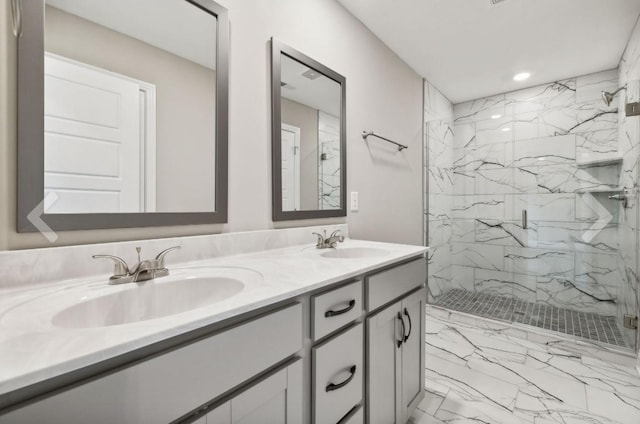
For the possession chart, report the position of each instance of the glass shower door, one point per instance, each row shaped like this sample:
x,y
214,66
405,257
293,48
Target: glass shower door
x,y
568,265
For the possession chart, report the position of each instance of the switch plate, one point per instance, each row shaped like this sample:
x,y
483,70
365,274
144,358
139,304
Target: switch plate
x,y
354,201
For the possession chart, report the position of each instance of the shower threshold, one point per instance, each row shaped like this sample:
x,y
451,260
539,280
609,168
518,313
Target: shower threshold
x,y
600,328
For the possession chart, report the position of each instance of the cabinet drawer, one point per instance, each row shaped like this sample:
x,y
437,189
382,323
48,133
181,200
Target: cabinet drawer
x,y
335,309
337,376
388,285
169,385
355,417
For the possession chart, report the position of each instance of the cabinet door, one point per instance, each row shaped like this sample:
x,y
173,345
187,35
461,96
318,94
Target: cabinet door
x,y
384,373
274,400
413,313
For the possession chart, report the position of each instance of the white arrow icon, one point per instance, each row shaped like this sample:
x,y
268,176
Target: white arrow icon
x,y
35,217
604,217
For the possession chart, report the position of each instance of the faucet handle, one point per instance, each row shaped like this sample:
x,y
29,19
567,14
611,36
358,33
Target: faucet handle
x,y
161,255
337,233
121,269
320,239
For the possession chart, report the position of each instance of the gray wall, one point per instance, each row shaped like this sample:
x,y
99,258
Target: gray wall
x,y
305,118
185,104
383,94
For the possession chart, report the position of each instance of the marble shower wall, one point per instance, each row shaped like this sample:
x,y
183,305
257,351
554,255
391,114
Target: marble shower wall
x,y
629,221
329,161
438,174
526,150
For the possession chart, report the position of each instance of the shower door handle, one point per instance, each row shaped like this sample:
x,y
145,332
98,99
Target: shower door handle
x,y
525,220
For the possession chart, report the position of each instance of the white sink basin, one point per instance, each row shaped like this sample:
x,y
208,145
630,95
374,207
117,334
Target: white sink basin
x,y
353,252
97,304
149,300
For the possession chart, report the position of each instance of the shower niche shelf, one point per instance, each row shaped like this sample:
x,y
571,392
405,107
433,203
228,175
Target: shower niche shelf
x,y
617,160
600,190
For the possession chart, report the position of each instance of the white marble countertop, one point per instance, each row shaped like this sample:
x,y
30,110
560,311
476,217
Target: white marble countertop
x,y
33,350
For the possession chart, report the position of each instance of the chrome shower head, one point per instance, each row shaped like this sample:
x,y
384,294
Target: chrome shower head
x,y
607,97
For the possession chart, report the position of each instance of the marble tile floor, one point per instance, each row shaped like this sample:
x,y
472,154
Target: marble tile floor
x,y
482,371
592,326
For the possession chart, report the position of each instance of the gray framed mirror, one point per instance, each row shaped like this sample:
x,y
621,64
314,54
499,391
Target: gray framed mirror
x,y
308,124
122,113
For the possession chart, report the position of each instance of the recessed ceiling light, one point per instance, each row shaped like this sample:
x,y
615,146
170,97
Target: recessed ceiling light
x,y
522,76
505,129
496,116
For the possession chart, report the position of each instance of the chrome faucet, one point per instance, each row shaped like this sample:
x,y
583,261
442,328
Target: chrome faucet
x,y
142,271
325,242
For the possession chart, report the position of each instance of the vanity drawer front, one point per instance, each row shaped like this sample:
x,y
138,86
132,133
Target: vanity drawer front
x,y
335,309
388,285
354,417
183,379
337,376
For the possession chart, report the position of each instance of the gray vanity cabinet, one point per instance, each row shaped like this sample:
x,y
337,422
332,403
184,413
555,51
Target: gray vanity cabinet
x,y
350,354
395,343
275,399
163,388
338,376
338,356
384,358
395,358
412,375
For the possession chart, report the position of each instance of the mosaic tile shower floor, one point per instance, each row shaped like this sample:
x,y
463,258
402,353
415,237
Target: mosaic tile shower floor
x,y
591,326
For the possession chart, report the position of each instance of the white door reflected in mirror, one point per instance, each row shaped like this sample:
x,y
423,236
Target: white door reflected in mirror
x,y
310,109
98,139
130,106
290,137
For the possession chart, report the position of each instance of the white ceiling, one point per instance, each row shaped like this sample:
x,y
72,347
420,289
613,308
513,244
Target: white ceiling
x,y
175,26
469,49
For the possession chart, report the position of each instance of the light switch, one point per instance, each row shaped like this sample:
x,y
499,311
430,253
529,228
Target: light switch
x,y
354,201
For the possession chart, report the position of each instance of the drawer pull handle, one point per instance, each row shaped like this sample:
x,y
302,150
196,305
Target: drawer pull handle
x,y
332,386
410,325
402,339
331,313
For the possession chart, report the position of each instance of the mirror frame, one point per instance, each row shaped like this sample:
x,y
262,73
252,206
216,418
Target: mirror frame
x,y
31,136
277,50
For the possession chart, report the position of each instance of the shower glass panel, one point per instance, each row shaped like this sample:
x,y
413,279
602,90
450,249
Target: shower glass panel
x,y
536,238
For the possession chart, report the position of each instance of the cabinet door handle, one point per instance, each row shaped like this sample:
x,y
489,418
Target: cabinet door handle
x,y
337,386
410,325
331,313
402,339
